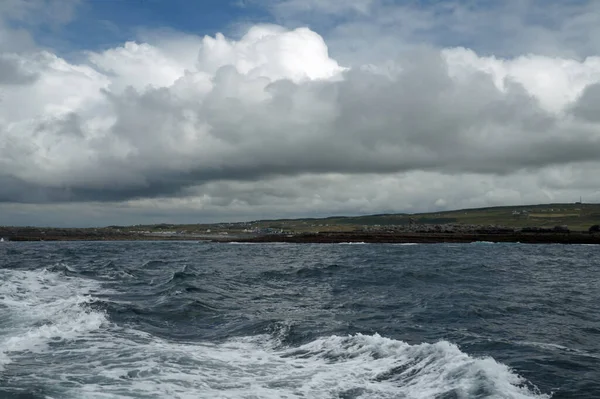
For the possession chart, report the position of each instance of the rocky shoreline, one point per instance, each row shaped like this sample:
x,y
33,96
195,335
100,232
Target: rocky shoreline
x,y
57,234
427,238
428,234
440,233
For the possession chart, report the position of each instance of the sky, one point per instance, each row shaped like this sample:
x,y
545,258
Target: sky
x,y
183,111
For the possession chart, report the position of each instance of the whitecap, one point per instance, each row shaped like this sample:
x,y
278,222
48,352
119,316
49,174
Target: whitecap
x,y
366,366
43,307
98,359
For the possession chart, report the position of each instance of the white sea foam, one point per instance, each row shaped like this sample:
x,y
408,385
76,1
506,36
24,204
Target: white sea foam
x,y
273,244
352,243
40,307
97,359
355,366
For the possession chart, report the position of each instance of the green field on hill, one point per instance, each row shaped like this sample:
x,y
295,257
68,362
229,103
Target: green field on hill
x,y
575,216
578,217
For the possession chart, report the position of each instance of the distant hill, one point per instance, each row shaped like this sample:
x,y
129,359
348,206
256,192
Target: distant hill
x,y
576,216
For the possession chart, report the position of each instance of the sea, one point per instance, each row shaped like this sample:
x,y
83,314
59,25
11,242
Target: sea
x,y
225,320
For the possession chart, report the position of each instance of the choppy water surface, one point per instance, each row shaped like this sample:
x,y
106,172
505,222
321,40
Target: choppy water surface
x,y
199,320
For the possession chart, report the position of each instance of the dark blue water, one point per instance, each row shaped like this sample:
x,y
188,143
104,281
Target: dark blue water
x,y
199,320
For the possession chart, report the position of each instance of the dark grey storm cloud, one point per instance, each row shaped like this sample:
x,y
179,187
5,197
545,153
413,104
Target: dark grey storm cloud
x,y
11,72
413,117
271,117
587,106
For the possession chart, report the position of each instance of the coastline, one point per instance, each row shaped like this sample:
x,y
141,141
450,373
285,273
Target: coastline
x,y
425,238
383,237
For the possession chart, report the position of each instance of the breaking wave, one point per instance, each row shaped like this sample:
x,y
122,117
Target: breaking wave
x,y
51,314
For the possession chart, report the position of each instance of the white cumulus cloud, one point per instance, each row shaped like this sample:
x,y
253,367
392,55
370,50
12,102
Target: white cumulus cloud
x,y
272,122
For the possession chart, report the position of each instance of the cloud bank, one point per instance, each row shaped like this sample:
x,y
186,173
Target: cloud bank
x,y
270,122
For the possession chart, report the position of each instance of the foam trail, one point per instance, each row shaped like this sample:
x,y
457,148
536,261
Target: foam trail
x,y
47,313
358,366
42,307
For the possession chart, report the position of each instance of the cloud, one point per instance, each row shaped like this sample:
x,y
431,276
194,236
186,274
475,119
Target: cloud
x,y
327,7
20,20
587,106
272,124
146,120
373,30
35,12
11,71
320,195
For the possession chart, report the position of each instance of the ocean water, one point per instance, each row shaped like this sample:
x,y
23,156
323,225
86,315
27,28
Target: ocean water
x,y
206,320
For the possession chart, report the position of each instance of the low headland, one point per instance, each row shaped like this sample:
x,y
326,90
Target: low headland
x,y
545,223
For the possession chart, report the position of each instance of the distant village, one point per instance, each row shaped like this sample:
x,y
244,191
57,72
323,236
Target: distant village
x,y
407,224
555,218
526,212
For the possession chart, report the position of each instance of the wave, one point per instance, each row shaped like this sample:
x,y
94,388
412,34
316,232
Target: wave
x,y
557,347
357,366
40,308
271,244
49,314
316,271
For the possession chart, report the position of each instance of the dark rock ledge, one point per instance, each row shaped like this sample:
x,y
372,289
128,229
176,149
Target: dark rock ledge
x,y
429,238
388,234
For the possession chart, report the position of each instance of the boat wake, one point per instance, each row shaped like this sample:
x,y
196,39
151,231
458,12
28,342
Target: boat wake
x,y
49,328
